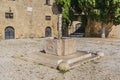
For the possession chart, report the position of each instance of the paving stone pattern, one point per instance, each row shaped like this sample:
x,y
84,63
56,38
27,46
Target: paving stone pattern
x,y
106,68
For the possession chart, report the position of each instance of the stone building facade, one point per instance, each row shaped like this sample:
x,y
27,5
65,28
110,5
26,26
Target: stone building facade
x,y
34,18
27,18
115,32
94,31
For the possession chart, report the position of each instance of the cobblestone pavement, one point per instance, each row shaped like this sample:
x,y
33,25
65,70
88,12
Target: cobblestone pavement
x,y
106,68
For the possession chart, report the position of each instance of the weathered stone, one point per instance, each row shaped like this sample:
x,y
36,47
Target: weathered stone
x,y
60,47
101,54
69,46
64,66
54,46
115,32
29,18
60,26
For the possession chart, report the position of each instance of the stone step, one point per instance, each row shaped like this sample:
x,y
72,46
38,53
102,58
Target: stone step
x,y
54,61
44,59
83,61
75,62
78,58
77,35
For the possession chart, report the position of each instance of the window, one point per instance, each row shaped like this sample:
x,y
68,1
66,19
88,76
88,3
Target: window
x,y
47,2
48,17
9,15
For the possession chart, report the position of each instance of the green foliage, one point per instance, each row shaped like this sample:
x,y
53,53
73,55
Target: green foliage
x,y
65,5
103,10
40,64
63,71
117,17
100,10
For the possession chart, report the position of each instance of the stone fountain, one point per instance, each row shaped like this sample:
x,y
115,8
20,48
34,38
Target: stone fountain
x,y
64,49
61,53
60,46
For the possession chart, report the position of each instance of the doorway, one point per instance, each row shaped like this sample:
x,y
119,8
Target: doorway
x,y
9,32
48,32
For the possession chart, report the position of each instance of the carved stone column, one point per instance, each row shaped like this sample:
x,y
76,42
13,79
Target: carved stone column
x,y
59,26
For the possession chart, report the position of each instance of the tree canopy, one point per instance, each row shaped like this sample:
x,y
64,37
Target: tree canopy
x,y
100,10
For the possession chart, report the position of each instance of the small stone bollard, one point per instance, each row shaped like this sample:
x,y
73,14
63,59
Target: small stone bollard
x,y
101,54
64,66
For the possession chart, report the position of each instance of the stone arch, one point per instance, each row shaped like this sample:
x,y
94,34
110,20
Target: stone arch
x,y
77,26
9,32
48,32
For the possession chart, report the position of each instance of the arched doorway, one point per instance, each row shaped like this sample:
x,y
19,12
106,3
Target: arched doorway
x,y
77,26
9,32
48,32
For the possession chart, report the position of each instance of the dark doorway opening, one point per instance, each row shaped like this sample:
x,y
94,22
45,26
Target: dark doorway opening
x,y
48,32
9,32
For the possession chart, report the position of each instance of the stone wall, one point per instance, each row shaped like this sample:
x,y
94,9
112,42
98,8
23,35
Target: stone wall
x,y
94,30
60,47
29,18
115,32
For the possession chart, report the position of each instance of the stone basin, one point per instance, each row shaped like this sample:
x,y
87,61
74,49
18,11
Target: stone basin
x,y
60,47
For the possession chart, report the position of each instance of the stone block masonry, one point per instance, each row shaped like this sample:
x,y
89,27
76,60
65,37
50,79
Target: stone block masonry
x,y
28,18
60,47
